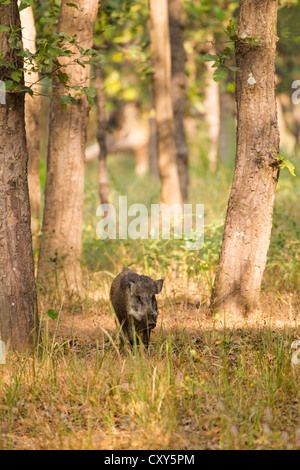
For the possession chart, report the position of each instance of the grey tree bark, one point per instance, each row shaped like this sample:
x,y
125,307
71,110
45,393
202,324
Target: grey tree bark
x,y
161,59
250,209
101,136
61,240
18,302
227,131
32,109
178,90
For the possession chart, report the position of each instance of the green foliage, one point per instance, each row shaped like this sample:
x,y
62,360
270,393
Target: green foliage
x,y
220,60
52,314
283,267
50,47
285,163
220,63
25,4
287,65
122,31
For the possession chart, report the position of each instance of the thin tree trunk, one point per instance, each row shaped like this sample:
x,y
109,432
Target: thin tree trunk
x,y
249,217
141,156
212,115
18,305
161,57
287,139
135,131
227,131
227,128
101,136
32,109
131,135
178,90
61,240
152,147
152,141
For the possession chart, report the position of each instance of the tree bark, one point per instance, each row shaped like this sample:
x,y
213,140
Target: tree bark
x,y
152,146
161,58
101,136
61,241
287,139
131,135
18,304
152,140
212,115
32,109
227,131
250,209
133,132
178,90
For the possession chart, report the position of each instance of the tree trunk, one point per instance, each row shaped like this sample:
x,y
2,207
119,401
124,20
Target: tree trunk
x,y
131,135
61,240
133,131
212,115
152,146
152,141
18,306
32,109
288,141
161,58
178,90
101,136
227,131
141,157
250,209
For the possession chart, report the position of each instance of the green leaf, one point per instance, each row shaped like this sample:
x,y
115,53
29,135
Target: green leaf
x,y
7,64
52,314
4,28
209,57
220,74
16,75
63,77
72,5
89,52
231,27
285,163
25,4
231,87
233,68
67,99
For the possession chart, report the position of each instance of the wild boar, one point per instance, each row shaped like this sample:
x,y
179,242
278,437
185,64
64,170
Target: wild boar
x,y
133,299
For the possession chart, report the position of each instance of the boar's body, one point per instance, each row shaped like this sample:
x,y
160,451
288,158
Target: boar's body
x,y
133,299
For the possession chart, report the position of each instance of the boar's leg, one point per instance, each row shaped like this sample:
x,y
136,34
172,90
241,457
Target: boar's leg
x,y
130,332
145,336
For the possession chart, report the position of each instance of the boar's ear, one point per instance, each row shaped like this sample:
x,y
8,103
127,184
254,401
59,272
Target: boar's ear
x,y
130,285
158,285
126,284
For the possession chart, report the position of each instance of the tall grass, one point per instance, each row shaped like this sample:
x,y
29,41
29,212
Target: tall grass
x,y
204,383
194,389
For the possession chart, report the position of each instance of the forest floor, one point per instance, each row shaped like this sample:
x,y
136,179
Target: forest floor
x,y
204,383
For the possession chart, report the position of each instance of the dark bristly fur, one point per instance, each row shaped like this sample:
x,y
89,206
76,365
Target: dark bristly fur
x,y
133,299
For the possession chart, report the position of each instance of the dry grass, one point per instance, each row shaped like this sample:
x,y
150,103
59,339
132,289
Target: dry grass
x,y
203,384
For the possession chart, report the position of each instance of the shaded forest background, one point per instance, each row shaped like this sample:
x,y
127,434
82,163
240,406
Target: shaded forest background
x,y
132,167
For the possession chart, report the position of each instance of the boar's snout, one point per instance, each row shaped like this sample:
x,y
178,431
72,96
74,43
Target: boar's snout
x,y
150,320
